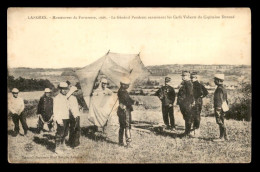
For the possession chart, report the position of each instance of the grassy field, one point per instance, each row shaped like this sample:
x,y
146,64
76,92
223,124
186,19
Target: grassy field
x,y
149,144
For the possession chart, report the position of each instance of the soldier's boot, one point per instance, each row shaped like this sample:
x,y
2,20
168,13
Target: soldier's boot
x,y
128,138
121,137
225,134
65,147
220,139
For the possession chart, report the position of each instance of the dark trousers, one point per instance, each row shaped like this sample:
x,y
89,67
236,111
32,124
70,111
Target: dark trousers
x,y
125,118
220,121
196,110
40,124
168,113
16,118
74,135
62,132
187,115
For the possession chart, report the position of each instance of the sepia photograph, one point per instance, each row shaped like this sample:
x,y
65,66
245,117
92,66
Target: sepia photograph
x,y
129,85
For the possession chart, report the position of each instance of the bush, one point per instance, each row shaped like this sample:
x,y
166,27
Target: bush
x,y
28,84
240,108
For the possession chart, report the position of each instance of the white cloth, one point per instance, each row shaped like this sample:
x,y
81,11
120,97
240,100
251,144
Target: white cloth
x,y
60,108
100,92
15,105
74,106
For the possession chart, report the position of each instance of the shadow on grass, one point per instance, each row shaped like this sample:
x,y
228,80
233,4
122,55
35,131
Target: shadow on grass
x,y
12,133
159,130
49,136
93,134
34,130
45,142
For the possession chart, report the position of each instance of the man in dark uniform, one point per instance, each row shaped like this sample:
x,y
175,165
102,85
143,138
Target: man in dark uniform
x,y
186,101
45,110
124,112
167,96
220,97
199,92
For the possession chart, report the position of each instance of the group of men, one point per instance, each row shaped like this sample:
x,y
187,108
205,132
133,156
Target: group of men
x,y
189,99
63,111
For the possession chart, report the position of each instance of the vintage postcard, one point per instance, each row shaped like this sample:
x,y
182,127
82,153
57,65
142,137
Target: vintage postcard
x,y
129,85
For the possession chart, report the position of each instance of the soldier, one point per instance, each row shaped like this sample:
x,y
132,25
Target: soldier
x,y
220,97
199,92
45,110
124,112
61,117
16,108
186,101
167,96
74,135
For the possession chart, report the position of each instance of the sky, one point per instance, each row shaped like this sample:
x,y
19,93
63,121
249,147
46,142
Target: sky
x,y
58,43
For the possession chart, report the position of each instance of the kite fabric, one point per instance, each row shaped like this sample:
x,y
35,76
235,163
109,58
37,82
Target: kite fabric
x,y
114,66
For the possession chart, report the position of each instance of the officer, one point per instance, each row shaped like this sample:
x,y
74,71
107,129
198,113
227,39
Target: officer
x,y
61,117
199,92
186,100
45,110
16,108
124,112
220,97
167,96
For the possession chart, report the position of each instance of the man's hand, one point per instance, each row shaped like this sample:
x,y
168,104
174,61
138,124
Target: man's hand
x,y
170,105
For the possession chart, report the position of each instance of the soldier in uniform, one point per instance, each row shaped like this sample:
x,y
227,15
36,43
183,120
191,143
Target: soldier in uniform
x,y
124,112
45,110
167,96
185,100
220,96
16,108
199,92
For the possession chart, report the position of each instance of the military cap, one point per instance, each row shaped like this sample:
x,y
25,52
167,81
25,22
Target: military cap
x,y
47,90
219,76
194,74
185,73
15,90
125,80
167,79
63,85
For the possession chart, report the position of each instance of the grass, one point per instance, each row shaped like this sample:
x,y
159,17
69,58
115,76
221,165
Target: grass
x,y
148,147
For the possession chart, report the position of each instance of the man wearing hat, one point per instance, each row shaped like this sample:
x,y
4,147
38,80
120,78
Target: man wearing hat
x,y
45,110
220,97
16,108
199,92
124,112
186,100
167,96
61,117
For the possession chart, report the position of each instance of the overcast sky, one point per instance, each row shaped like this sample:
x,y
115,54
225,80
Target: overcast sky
x,y
56,43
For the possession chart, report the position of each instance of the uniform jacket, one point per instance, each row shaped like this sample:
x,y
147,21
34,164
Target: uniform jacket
x,y
60,108
166,94
199,90
185,94
74,106
15,105
45,107
125,99
220,95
